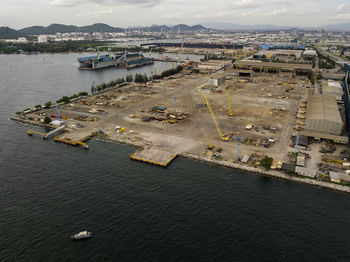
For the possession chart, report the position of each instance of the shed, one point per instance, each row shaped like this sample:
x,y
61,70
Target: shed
x,y
323,114
333,88
303,141
338,177
245,159
304,171
301,160
217,79
288,167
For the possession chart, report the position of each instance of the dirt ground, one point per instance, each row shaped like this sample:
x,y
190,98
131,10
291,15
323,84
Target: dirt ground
x,y
262,102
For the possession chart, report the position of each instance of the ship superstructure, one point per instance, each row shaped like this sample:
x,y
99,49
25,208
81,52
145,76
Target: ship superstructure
x,y
118,60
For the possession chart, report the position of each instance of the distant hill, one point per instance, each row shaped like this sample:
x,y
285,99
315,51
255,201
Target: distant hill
x,y
6,32
59,28
172,28
345,27
9,33
100,27
230,26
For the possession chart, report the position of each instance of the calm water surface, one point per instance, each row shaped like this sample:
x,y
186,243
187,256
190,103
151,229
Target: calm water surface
x,y
189,211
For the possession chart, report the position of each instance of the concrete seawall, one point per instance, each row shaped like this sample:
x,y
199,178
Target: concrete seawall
x,y
255,170
247,168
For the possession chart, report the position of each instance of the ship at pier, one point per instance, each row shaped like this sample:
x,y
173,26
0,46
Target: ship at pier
x,y
117,60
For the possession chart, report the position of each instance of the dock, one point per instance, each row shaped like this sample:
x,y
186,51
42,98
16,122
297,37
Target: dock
x,y
74,139
168,60
30,132
152,155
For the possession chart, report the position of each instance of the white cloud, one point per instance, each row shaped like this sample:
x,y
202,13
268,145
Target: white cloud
x,y
340,8
172,16
244,4
69,3
341,16
276,12
97,13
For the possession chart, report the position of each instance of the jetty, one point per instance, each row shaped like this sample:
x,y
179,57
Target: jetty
x,y
152,155
75,138
30,132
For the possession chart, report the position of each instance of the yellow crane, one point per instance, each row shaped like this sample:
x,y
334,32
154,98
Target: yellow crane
x,y
225,138
229,101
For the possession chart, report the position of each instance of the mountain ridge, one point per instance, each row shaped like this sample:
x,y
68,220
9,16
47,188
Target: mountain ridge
x,y
9,33
342,27
101,27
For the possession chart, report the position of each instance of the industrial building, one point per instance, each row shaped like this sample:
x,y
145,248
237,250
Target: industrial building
x,y
309,54
283,55
212,45
271,67
337,177
333,88
323,115
217,79
213,65
304,171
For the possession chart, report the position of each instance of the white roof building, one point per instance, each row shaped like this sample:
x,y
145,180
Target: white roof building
x,y
333,88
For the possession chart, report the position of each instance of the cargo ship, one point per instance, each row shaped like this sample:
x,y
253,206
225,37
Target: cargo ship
x,y
117,60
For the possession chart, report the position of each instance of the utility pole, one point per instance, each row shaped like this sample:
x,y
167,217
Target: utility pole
x,y
239,139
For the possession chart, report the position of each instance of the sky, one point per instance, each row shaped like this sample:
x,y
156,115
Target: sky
x,y
124,13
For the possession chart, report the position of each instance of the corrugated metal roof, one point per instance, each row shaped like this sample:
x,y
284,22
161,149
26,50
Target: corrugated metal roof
x,y
268,64
323,107
332,88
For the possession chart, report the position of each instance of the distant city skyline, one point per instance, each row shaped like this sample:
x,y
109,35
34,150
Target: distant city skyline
x,y
124,13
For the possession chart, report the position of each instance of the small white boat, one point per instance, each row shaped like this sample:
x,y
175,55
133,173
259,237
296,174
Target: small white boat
x,y
81,235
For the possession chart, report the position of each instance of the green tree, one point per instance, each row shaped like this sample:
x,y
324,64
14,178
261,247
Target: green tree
x,y
64,99
83,93
266,162
129,78
311,77
47,120
48,104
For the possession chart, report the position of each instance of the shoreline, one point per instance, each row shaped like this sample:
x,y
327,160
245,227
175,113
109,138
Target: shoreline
x,y
224,163
237,166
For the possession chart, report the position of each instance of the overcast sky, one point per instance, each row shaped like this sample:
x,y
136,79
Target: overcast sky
x,y
21,13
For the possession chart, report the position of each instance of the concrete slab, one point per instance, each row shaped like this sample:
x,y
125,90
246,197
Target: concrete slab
x,y
155,156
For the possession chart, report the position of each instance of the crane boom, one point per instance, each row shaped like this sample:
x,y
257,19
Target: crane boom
x,y
225,138
229,101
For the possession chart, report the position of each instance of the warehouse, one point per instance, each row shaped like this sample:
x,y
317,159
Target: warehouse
x,y
309,54
334,89
266,67
323,114
217,79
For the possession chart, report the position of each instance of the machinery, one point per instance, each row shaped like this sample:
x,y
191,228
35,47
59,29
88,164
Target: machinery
x,y
229,101
222,136
210,146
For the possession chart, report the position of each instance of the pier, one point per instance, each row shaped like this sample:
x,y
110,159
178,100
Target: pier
x,y
74,139
30,132
156,156
168,60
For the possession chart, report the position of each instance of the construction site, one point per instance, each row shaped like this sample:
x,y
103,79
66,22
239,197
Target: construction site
x,y
242,113
188,114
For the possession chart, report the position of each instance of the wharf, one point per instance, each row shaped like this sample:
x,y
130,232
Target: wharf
x,y
154,156
76,138
45,135
168,60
